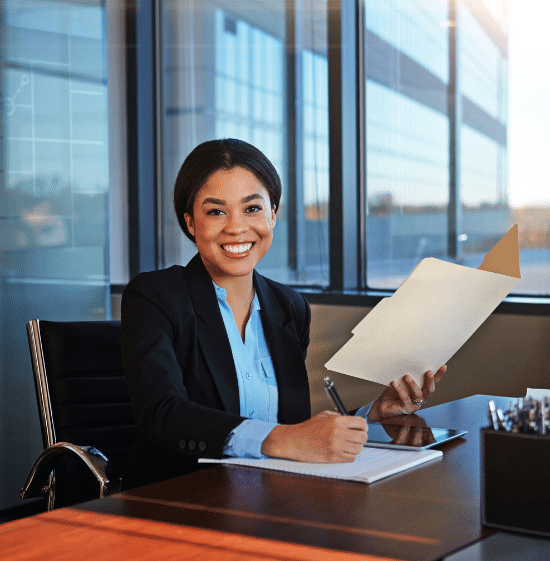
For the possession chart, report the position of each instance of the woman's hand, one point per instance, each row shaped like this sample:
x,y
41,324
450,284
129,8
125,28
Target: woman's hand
x,y
325,438
404,396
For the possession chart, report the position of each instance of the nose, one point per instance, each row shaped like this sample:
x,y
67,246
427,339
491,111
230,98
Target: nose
x,y
236,223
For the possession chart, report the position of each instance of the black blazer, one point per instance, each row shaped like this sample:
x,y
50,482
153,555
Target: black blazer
x,y
180,371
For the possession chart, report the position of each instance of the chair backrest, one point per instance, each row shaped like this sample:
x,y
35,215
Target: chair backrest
x,y
81,390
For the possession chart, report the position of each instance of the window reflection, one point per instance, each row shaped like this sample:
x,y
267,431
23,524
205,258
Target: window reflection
x,y
53,195
227,75
436,121
438,134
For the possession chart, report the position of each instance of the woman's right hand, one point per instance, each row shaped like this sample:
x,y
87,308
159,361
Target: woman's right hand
x,y
325,438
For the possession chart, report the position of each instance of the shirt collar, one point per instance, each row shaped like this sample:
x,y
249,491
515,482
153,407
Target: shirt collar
x,y
221,294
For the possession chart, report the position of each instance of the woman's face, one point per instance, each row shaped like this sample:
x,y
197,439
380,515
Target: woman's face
x,y
232,223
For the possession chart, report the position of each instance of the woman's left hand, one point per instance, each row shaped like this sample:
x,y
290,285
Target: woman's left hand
x,y
404,396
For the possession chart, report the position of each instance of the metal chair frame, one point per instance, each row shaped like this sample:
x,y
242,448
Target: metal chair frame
x,y
41,480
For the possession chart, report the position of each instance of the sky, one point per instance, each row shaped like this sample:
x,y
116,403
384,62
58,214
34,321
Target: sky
x,y
529,102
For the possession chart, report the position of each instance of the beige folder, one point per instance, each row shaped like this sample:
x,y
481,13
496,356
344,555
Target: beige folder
x,y
429,317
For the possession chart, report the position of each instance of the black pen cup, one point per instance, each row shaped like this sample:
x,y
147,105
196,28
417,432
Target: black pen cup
x,y
515,481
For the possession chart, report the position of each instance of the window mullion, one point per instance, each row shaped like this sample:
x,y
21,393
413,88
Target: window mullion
x,y
454,105
343,133
295,136
142,134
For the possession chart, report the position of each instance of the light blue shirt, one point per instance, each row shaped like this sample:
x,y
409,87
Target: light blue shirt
x,y
258,392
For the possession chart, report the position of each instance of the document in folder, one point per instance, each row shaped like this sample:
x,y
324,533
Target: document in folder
x,y
429,317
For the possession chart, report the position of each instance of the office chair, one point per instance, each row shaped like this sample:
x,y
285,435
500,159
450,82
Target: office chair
x,y
84,407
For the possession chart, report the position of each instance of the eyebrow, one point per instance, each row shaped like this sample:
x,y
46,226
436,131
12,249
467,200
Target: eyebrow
x,y
212,200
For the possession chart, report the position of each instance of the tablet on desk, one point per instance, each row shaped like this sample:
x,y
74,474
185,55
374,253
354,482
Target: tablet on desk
x,y
408,437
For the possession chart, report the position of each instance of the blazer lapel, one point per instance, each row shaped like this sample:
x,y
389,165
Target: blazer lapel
x,y
211,334
286,354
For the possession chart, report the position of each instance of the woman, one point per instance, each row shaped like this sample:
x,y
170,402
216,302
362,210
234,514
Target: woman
x,y
214,353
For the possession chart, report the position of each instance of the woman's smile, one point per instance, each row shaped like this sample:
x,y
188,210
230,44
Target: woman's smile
x,y
237,249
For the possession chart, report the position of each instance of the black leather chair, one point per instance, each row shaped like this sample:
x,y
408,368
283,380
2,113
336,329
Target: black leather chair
x,y
84,408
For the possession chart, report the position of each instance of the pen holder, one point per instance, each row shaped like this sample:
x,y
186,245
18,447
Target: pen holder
x,y
515,481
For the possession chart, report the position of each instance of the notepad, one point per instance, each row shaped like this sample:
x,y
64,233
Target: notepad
x,y
370,465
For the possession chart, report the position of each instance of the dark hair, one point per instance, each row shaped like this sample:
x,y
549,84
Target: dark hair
x,y
212,156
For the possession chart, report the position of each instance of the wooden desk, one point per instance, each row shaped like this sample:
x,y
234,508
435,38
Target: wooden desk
x,y
244,513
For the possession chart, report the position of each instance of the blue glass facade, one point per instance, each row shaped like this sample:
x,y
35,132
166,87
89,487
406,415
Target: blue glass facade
x,y
415,28
435,137
53,197
228,73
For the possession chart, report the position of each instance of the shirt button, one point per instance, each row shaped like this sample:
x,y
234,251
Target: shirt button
x,y
191,445
250,413
248,375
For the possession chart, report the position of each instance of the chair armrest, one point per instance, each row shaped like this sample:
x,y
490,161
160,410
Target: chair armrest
x,y
36,485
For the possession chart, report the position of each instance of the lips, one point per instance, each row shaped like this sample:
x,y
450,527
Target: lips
x,y
237,249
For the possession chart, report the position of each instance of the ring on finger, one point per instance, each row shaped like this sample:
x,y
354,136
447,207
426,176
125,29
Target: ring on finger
x,y
418,402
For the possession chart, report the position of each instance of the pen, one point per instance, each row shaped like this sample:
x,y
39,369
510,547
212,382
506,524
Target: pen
x,y
334,397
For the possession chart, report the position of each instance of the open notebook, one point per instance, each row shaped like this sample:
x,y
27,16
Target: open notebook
x,y
370,465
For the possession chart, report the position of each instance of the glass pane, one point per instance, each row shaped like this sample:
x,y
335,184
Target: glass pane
x,y
225,75
416,128
528,140
315,167
407,136
484,213
53,196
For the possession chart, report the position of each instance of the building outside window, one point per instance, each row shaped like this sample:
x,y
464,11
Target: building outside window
x,y
436,120
429,94
53,197
232,70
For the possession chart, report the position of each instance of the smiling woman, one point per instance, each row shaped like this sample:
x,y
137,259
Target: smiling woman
x,y
232,223
214,353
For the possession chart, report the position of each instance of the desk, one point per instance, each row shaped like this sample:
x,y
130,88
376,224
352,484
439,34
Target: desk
x,y
243,513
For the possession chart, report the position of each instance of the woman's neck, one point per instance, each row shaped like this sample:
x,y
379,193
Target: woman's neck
x,y
240,290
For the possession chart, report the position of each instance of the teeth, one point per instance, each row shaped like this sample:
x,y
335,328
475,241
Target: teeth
x,y
237,248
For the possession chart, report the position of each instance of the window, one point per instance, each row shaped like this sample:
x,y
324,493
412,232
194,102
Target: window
x,y
442,130
257,73
434,130
53,195
528,141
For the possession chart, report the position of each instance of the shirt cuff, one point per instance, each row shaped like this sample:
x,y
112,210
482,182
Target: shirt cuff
x,y
364,411
245,440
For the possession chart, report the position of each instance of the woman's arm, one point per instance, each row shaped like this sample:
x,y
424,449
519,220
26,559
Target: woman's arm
x,y
158,341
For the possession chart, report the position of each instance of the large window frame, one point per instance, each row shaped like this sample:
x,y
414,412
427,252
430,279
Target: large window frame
x,y
347,160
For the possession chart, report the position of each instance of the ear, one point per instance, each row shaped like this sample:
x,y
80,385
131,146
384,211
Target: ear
x,y
190,223
273,216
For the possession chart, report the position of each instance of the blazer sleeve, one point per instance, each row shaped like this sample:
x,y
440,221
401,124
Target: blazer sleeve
x,y
159,343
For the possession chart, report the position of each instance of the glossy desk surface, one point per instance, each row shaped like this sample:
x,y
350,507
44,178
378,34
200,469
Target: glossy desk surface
x,y
244,513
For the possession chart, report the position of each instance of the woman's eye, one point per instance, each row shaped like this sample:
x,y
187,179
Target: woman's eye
x,y
254,208
214,212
